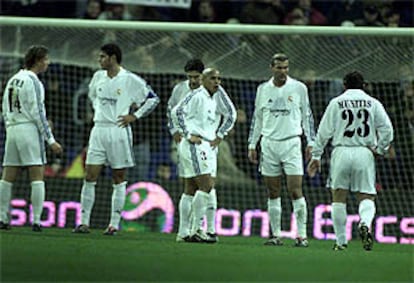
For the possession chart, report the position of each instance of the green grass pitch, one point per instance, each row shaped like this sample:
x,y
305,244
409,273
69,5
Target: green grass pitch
x,y
57,255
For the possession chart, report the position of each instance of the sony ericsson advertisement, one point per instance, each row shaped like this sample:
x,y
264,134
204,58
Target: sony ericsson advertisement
x,y
153,207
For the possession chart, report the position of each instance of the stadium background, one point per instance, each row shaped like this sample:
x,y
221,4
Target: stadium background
x,y
158,56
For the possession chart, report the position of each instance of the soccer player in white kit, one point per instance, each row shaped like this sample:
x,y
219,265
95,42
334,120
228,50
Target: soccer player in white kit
x,y
27,129
113,92
360,129
226,109
198,119
282,113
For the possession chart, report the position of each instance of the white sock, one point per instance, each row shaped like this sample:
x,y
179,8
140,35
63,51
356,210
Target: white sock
x,y
338,215
211,212
5,198
366,212
274,209
118,201
184,208
37,198
199,209
87,201
301,213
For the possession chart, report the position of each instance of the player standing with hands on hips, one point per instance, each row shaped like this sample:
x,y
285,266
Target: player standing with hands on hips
x,y
198,118
26,130
282,113
225,108
115,93
360,129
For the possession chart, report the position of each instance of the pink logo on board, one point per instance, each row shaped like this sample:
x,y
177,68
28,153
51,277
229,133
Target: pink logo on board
x,y
144,197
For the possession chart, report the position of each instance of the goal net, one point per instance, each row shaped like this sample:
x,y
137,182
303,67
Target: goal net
x,y
319,56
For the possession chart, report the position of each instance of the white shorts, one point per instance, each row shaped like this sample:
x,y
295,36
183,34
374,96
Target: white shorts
x,y
110,145
24,146
353,168
196,159
278,155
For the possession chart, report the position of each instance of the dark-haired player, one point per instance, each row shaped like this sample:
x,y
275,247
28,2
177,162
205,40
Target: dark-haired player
x,y
360,128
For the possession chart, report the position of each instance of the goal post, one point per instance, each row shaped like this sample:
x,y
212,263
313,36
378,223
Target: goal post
x,y
386,50
158,51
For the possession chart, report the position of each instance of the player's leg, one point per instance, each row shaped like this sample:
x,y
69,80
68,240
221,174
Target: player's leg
x,y
186,200
198,165
29,154
37,184
338,215
204,184
340,180
6,184
211,213
118,200
274,208
184,208
212,203
292,161
120,157
366,212
270,167
363,183
294,185
95,158
87,197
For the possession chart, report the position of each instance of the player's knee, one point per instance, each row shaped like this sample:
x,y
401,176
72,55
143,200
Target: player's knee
x,y
274,194
296,194
190,190
118,176
89,178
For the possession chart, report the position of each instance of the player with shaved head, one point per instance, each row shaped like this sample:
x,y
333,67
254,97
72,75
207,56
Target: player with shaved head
x,y
203,117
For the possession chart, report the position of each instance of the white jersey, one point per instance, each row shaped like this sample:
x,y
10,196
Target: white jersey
x,y
23,102
180,90
281,112
354,119
225,108
113,97
196,115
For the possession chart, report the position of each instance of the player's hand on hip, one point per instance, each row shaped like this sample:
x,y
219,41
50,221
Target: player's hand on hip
x,y
390,154
195,139
215,143
313,167
252,154
56,148
125,120
308,153
177,137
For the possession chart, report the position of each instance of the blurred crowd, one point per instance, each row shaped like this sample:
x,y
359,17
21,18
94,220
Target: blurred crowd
x,y
389,13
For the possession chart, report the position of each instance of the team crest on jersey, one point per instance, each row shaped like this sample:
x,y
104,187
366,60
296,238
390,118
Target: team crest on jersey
x,y
290,98
118,91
